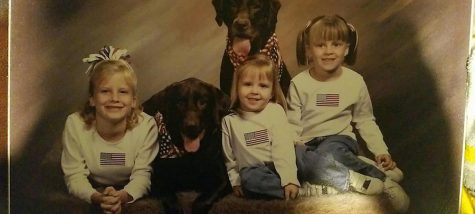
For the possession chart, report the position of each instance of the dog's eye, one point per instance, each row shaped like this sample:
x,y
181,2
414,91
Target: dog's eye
x,y
255,6
233,7
180,103
202,103
233,3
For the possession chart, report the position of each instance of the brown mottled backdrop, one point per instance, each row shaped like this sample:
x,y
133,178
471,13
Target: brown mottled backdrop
x,y
411,54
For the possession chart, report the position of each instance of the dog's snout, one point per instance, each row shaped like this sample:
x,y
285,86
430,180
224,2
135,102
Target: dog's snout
x,y
191,131
242,24
191,124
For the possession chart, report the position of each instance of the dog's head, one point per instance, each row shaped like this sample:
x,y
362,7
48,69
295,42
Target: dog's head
x,y
248,20
191,109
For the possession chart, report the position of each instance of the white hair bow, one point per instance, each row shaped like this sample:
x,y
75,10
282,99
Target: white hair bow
x,y
106,53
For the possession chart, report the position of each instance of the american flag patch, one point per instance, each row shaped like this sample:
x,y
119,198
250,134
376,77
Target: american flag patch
x,y
257,137
112,159
332,100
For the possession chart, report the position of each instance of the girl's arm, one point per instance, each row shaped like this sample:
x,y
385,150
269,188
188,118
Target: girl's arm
x,y
365,123
294,111
229,158
283,152
139,183
73,162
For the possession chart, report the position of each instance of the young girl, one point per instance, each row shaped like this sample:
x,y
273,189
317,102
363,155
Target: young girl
x,y
109,145
323,102
259,152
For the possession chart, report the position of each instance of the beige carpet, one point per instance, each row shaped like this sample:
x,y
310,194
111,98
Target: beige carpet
x,y
337,204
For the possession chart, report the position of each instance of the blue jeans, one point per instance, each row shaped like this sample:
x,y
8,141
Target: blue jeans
x,y
327,160
261,182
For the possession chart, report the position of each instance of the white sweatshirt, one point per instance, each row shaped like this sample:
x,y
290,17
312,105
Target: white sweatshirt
x,y
251,139
126,162
328,108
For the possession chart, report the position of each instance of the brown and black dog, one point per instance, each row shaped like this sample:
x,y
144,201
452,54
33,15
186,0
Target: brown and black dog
x,y
251,29
188,115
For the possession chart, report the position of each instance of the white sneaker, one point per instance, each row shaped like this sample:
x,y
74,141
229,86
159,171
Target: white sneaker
x,y
309,189
396,195
394,174
365,184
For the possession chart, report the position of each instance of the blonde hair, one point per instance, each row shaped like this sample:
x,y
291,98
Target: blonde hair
x,y
328,28
103,70
258,63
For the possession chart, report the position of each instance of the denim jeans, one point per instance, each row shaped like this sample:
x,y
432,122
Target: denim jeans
x,y
327,160
261,182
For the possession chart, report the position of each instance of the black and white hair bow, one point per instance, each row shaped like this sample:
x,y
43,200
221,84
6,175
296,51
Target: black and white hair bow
x,y
106,53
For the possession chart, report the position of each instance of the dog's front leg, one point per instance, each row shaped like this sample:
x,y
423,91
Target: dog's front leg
x,y
200,206
212,194
170,204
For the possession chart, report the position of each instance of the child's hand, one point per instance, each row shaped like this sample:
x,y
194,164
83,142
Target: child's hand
x,y
291,191
111,202
124,196
385,161
237,190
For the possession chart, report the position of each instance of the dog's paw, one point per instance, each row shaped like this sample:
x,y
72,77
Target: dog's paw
x,y
200,208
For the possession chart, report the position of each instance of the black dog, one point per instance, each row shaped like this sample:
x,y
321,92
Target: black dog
x,y
190,158
251,29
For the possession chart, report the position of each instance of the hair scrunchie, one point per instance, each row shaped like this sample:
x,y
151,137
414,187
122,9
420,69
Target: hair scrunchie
x,y
106,53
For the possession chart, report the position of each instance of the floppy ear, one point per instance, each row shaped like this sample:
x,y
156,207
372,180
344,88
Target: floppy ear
x,y
158,102
218,7
221,105
274,6
352,50
151,106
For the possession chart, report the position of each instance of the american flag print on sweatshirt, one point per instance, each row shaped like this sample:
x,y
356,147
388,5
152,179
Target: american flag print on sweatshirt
x,y
112,159
331,100
257,137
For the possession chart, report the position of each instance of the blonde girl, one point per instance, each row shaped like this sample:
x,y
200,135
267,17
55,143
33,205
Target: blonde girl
x,y
324,101
109,145
259,154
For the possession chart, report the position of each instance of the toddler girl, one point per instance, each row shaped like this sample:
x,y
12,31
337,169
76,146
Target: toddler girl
x,y
259,152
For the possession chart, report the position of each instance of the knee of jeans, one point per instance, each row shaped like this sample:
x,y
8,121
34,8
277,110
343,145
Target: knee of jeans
x,y
325,160
248,174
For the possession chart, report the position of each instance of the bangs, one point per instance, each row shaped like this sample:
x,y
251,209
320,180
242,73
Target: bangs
x,y
261,72
329,29
105,69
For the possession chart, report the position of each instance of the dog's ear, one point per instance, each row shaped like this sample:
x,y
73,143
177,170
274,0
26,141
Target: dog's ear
x,y
158,102
221,105
219,8
150,105
273,7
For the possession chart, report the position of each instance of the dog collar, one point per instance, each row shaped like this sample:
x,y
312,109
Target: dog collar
x,y
271,49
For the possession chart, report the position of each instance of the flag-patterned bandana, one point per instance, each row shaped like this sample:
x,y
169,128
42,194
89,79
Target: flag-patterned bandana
x,y
166,148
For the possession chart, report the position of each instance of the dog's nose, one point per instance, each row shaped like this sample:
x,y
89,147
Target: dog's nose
x,y
242,24
191,131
